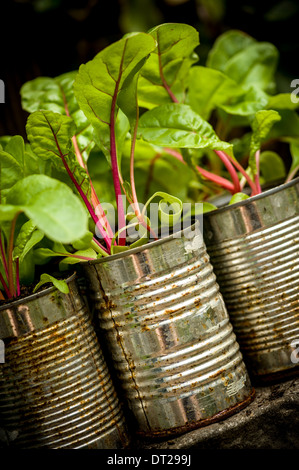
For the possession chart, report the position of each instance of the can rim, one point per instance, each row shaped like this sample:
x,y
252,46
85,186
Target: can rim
x,y
251,199
11,302
147,246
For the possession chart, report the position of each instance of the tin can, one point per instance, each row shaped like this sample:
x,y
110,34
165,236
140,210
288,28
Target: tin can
x,y
55,388
254,248
169,335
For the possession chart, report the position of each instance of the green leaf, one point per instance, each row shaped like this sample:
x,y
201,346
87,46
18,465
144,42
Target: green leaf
x,y
45,130
177,125
84,242
50,136
282,101
87,253
58,283
243,59
168,64
226,46
57,95
169,208
210,88
261,125
10,172
272,166
51,205
238,197
99,81
27,238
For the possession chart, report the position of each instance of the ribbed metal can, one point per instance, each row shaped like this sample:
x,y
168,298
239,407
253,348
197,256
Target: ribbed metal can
x,y
55,388
169,335
254,249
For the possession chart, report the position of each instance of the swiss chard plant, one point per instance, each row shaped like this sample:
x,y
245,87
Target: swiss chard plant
x,y
101,118
35,210
142,121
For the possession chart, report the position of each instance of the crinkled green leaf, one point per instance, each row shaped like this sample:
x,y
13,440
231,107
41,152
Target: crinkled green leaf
x,y
177,125
168,64
261,125
57,95
100,80
50,136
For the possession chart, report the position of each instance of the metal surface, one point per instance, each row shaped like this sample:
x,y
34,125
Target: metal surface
x,y
169,335
254,250
55,388
271,421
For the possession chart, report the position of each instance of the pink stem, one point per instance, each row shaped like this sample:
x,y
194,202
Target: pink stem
x,y
224,158
5,286
244,173
94,197
223,182
83,196
18,277
3,256
165,84
88,206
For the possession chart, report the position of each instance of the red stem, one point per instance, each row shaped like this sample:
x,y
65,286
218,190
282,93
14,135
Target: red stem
x,y
94,198
114,163
165,84
18,277
88,205
5,286
244,173
223,182
3,256
80,191
224,158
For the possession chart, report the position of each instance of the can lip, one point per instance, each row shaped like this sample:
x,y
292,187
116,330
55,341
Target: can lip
x,y
12,303
147,246
251,199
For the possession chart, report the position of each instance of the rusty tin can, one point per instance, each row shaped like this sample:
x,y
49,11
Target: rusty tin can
x,y
169,335
254,249
55,388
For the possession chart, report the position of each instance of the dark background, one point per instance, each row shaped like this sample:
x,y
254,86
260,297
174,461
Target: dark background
x,y
50,37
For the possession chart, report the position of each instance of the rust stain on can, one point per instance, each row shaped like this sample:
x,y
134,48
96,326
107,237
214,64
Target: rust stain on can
x,y
55,388
254,250
168,334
